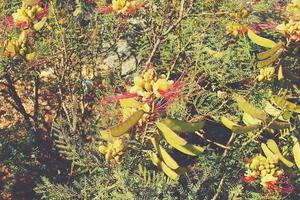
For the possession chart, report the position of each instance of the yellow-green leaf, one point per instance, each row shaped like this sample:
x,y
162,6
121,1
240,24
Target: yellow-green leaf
x,y
282,103
182,126
270,52
30,56
249,120
179,143
125,126
275,149
77,11
260,40
170,135
278,125
280,73
10,49
250,109
38,26
296,151
228,123
130,103
245,129
167,158
269,61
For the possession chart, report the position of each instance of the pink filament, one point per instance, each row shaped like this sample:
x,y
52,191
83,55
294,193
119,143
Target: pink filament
x,y
121,96
105,10
248,179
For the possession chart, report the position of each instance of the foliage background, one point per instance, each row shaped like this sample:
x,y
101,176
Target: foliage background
x,y
94,57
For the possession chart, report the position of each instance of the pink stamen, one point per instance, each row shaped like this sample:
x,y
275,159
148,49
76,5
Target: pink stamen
x,y
6,21
283,186
42,14
261,26
22,24
248,179
121,96
105,10
272,185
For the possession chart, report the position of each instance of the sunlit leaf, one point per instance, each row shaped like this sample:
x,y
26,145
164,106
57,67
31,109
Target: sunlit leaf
x,y
260,40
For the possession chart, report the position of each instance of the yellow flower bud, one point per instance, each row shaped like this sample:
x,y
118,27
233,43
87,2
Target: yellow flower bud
x,y
139,81
102,149
161,85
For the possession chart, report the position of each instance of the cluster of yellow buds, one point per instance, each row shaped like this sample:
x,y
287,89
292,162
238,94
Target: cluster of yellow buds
x,y
264,168
126,6
292,27
20,48
150,84
28,13
266,73
293,10
236,29
244,13
114,150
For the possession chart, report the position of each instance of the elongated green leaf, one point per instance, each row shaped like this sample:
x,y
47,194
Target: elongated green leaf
x,y
38,26
245,129
167,158
278,125
228,123
282,103
177,142
269,61
270,52
250,109
260,40
125,126
170,135
249,120
182,126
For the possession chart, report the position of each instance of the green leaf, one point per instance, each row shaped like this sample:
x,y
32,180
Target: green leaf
x,y
250,109
282,103
228,123
31,56
277,125
245,129
264,42
38,26
249,120
270,52
270,60
182,126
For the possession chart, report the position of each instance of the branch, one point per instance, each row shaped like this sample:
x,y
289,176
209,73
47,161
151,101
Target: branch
x,y
36,102
13,93
171,27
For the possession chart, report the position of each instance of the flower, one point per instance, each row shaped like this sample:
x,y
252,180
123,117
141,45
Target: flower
x,y
248,179
236,29
139,81
161,86
268,181
126,6
26,15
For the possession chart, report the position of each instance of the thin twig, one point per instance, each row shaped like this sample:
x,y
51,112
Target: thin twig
x,y
208,140
36,102
14,95
219,189
171,27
